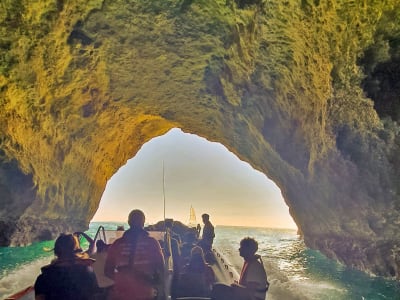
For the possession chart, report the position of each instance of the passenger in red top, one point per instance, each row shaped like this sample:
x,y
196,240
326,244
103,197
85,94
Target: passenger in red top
x,y
253,283
136,264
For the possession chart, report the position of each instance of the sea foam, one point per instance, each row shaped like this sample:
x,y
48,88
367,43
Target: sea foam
x,y
21,277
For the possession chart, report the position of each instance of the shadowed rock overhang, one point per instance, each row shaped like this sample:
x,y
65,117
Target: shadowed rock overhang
x,y
305,91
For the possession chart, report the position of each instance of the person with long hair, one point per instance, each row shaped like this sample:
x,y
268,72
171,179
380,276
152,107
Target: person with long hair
x,y
197,277
69,276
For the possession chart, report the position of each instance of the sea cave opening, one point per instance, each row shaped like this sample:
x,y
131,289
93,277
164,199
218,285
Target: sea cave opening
x,y
186,170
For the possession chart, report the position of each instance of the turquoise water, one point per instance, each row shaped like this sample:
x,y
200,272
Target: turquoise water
x,y
294,271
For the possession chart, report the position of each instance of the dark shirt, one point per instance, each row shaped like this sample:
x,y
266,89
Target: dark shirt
x,y
195,280
208,232
67,282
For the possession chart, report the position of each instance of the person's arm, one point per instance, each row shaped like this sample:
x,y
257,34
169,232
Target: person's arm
x,y
39,288
159,261
253,285
89,239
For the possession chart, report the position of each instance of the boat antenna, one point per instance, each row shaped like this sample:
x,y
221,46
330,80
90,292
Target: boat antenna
x,y
163,173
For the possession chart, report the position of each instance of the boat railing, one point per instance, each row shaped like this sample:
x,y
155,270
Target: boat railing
x,y
99,231
229,272
25,294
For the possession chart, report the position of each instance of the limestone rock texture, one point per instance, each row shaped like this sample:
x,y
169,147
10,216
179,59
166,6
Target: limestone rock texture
x,y
306,91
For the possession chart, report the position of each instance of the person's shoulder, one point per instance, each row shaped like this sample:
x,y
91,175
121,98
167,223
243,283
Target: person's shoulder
x,y
117,242
150,240
255,263
40,284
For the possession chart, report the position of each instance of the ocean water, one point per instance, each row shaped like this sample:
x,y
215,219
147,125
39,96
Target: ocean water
x,y
294,271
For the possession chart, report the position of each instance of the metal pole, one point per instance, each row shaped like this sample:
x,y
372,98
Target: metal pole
x,y
163,189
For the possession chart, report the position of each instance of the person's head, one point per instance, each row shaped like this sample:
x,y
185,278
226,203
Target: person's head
x,y
136,218
197,257
169,223
190,236
67,246
101,246
205,217
197,251
248,247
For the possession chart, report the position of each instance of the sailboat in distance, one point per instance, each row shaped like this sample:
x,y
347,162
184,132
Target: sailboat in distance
x,y
192,218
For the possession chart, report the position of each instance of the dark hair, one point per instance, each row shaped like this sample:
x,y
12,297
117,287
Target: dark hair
x,y
205,216
136,218
196,260
250,244
67,246
169,223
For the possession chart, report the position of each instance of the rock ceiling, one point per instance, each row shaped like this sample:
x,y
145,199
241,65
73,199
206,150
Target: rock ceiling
x,y
305,92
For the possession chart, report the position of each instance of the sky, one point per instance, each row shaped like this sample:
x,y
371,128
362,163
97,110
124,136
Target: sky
x,y
198,173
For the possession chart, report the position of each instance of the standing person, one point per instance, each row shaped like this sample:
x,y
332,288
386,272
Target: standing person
x,y
253,283
69,276
207,238
136,264
208,235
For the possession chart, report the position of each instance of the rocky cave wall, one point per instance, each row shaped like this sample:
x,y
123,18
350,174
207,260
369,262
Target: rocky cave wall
x,y
304,91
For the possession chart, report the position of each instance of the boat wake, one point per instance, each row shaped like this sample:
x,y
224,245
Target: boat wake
x,y
284,287
21,277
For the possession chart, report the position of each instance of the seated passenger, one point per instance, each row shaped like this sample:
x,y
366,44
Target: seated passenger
x,y
189,241
197,277
253,283
135,263
69,276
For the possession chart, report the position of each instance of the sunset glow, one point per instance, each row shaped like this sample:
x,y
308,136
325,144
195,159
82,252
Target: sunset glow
x,y
198,173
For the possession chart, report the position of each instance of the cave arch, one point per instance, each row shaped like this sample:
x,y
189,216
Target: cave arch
x,y
192,172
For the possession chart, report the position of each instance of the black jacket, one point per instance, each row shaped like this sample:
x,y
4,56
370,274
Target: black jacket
x,y
68,280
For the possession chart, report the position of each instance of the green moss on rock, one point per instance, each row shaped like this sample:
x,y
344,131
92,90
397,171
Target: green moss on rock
x,y
291,87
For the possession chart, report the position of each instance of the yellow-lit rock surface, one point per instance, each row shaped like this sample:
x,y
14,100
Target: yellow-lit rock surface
x,y
305,91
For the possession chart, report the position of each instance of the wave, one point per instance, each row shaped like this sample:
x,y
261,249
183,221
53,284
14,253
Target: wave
x,y
21,277
283,286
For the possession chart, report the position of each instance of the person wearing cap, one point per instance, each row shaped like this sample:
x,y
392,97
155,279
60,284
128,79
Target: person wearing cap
x,y
136,264
69,276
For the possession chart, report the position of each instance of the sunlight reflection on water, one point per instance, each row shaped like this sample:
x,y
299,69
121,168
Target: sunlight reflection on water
x,y
296,272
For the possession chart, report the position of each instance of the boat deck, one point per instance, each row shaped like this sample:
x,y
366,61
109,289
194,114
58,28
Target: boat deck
x,y
223,269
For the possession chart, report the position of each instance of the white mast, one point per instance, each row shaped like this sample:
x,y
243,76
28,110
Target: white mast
x,y
163,173
192,217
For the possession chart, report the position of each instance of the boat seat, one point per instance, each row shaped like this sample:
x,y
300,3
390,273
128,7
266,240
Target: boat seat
x,y
192,298
192,286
